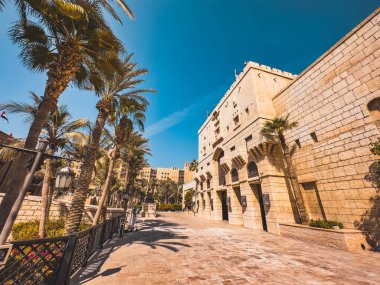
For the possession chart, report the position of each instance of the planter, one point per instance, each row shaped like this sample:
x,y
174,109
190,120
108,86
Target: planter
x,y
344,239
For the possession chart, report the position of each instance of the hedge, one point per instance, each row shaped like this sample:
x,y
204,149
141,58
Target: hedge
x,y
29,230
325,224
169,207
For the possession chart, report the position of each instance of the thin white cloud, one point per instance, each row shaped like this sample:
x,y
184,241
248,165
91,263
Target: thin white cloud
x,y
168,122
177,117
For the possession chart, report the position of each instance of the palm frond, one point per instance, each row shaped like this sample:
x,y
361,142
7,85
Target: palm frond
x,y
71,10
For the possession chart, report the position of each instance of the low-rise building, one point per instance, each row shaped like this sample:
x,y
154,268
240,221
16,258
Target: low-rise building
x,y
175,174
242,175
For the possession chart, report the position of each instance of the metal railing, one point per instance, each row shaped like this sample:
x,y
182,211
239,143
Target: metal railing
x,y
54,260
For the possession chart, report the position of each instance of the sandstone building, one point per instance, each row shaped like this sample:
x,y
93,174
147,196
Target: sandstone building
x,y
175,174
336,102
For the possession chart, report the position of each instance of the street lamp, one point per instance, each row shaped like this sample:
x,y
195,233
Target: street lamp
x,y
64,180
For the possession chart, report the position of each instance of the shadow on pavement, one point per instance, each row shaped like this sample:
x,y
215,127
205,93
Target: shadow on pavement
x,y
153,233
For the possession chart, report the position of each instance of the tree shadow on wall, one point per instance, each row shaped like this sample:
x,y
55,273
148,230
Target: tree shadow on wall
x,y
370,220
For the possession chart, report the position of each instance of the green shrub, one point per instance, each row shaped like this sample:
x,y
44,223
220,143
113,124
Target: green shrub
x,y
169,207
29,230
325,224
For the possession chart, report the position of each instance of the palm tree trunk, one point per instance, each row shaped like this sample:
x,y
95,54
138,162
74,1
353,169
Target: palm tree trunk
x,y
294,182
60,75
106,188
103,213
79,198
50,193
45,195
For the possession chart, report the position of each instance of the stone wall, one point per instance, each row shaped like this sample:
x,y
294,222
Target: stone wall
x,y
330,100
350,240
31,210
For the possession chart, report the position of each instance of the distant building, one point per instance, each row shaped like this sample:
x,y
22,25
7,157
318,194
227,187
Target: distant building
x,y
175,174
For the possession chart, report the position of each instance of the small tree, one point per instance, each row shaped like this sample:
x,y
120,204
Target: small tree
x,y
194,165
189,198
274,130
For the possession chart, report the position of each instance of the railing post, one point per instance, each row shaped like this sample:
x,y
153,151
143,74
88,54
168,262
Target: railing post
x,y
88,247
64,273
102,240
113,228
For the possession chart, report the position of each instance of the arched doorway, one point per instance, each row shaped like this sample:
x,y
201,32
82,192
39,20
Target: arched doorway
x,y
222,194
253,172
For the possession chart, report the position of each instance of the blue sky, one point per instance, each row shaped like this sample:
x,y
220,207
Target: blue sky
x,y
192,48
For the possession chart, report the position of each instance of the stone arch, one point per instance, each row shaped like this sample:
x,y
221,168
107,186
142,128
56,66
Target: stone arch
x,y
374,110
252,169
219,172
218,154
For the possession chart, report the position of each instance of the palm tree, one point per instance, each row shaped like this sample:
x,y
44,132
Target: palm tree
x,y
131,114
58,131
104,3
133,154
275,130
194,165
115,95
71,42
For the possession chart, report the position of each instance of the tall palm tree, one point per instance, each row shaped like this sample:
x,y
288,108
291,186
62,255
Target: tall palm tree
x,y
133,154
58,131
71,42
132,113
115,95
275,130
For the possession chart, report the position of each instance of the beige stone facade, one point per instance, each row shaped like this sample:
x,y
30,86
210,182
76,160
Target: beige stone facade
x,y
336,102
175,174
187,173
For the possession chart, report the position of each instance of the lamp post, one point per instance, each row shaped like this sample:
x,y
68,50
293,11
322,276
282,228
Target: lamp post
x,y
64,179
125,197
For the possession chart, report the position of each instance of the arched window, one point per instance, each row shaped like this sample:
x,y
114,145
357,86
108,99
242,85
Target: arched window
x,y
374,110
252,170
234,175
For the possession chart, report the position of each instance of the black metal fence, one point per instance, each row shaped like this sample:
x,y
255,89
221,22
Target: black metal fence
x,y
54,260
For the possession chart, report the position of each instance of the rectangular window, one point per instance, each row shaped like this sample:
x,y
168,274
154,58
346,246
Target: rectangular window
x,y
298,143
232,148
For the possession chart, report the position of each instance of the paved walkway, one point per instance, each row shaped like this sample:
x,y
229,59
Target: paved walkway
x,y
179,249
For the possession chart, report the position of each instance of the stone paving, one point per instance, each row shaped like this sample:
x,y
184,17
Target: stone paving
x,y
177,248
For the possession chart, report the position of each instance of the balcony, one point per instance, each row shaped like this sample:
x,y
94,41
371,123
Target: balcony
x,y
238,156
224,164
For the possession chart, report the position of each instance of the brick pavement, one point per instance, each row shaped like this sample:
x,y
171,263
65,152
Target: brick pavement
x,y
179,249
